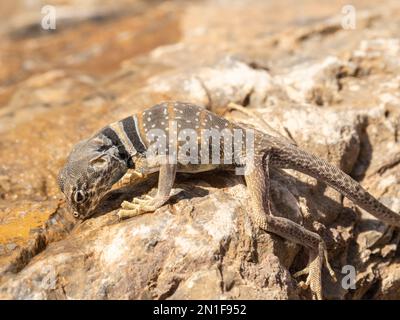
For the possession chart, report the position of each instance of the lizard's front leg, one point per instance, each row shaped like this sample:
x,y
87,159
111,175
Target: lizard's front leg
x,y
258,186
130,178
149,204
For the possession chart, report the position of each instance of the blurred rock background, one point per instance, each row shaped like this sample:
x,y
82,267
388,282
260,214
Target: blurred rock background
x,y
333,90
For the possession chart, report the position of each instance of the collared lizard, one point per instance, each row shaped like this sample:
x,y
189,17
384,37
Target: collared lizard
x,y
95,164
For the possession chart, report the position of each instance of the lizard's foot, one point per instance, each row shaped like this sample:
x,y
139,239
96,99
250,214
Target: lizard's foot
x,y
313,280
314,269
138,206
144,200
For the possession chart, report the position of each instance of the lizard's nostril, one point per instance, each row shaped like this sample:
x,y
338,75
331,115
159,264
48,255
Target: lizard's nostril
x,y
76,214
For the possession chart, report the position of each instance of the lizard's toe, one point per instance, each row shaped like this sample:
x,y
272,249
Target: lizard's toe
x,y
129,205
302,272
313,271
145,200
131,209
125,214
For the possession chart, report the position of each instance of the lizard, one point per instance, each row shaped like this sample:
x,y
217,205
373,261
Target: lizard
x,y
97,163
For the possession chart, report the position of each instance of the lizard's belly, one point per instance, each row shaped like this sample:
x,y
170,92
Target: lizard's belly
x,y
149,165
195,168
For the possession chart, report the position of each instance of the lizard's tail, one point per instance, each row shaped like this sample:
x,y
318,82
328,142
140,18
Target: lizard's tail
x,y
290,157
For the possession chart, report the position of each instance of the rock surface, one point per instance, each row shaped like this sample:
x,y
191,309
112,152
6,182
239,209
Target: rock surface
x,y
332,91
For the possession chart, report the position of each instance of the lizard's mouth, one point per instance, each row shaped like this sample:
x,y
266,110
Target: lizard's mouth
x,y
80,212
85,213
80,216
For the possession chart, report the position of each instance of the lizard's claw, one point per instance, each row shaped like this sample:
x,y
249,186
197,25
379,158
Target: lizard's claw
x,y
145,200
125,214
313,280
138,206
314,269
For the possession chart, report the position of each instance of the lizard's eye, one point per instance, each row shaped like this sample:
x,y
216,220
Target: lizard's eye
x,y
80,196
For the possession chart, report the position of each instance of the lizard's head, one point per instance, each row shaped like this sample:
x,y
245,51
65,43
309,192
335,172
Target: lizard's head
x,y
92,167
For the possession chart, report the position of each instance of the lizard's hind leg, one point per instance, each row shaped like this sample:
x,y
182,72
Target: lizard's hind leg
x,y
258,186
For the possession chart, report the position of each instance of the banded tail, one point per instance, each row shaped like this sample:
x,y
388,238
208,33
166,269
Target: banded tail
x,y
288,156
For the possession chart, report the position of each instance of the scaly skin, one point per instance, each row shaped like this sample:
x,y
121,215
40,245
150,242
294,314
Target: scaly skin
x,y
96,164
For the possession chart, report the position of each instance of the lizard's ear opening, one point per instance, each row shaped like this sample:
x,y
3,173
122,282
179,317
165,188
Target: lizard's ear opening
x,y
99,161
100,143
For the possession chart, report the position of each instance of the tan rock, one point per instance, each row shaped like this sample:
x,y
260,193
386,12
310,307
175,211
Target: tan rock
x,y
332,91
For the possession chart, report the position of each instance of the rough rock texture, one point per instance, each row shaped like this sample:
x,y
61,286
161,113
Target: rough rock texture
x,y
298,74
